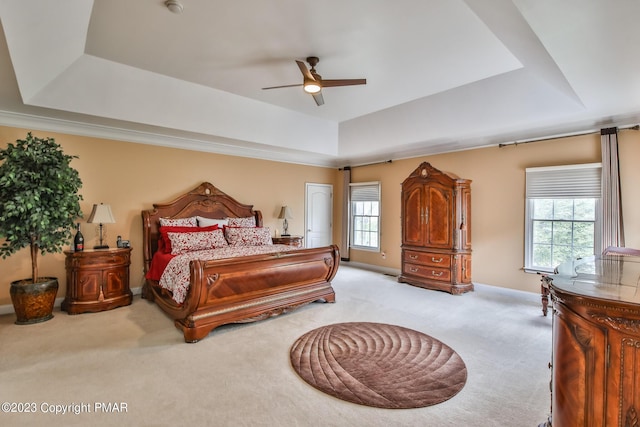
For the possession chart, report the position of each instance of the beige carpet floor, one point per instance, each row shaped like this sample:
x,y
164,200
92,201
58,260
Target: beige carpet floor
x,y
133,359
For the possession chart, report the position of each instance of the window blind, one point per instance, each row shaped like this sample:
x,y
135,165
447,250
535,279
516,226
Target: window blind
x,y
564,182
365,192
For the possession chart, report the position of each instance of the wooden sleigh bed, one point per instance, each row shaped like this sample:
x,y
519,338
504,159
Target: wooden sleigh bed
x,y
238,289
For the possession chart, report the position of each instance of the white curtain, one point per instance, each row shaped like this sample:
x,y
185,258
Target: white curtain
x,y
612,225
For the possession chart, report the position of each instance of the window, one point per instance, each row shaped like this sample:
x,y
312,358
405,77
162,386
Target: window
x,y
365,216
562,215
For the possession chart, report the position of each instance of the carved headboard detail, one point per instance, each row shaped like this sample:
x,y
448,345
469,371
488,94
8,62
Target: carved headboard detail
x,y
205,200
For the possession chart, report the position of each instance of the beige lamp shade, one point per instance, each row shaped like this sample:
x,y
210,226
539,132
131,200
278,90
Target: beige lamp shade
x,y
285,213
101,214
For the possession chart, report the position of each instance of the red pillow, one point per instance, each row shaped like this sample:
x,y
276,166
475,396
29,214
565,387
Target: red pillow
x,y
158,264
164,243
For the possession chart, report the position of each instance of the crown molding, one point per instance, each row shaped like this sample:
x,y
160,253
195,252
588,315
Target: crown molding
x,y
199,143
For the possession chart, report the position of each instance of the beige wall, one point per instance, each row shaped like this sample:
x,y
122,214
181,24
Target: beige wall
x,y
498,185
133,176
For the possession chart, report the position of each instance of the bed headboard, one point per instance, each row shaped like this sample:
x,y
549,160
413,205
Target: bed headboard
x,y
204,200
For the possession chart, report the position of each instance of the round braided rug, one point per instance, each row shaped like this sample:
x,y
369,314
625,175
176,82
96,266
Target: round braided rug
x,y
378,365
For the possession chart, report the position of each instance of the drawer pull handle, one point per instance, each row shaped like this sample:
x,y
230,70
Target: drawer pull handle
x,y
413,269
433,259
433,273
413,256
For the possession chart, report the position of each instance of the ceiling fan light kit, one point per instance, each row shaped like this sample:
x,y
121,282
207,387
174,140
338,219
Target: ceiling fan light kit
x,y
312,87
313,83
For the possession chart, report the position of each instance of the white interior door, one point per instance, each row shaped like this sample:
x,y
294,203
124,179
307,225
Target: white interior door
x,y
319,214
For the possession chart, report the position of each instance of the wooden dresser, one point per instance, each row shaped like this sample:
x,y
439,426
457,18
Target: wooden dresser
x,y
97,280
436,231
595,362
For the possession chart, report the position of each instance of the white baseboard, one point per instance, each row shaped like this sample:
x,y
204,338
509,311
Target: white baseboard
x,y
8,308
396,272
384,270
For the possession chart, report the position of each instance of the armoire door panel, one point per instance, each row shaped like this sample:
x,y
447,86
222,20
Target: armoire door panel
x,y
413,233
440,212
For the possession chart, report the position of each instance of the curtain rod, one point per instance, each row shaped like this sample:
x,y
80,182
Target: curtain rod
x,y
634,127
368,164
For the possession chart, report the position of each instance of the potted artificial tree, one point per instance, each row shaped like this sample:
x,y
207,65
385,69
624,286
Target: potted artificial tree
x,y
39,203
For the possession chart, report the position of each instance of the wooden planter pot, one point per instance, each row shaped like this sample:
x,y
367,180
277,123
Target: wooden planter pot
x,y
33,302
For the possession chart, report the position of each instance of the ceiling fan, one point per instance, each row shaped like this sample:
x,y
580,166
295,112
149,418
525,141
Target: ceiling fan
x,y
313,82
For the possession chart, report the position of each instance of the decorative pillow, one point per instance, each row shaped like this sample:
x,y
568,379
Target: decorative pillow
x,y
179,222
198,241
205,222
248,236
249,221
164,243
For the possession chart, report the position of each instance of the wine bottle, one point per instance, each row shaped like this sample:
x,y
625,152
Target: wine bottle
x,y
78,240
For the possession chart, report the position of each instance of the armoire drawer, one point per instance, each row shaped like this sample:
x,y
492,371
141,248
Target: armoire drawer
x,y
428,258
433,273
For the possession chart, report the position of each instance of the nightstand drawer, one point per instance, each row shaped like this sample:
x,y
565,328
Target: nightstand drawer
x,y
295,241
101,260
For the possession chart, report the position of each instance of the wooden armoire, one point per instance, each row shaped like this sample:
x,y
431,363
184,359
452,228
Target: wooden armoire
x,y
436,231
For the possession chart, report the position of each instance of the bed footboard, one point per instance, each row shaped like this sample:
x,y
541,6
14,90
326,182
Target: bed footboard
x,y
247,289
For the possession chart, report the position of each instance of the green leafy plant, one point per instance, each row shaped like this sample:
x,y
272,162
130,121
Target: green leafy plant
x,y
39,200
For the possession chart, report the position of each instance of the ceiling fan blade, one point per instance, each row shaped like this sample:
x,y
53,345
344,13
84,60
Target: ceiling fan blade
x,y
343,82
305,71
311,77
278,87
318,98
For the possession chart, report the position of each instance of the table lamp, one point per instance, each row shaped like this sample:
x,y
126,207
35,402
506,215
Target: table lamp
x,y
101,214
285,213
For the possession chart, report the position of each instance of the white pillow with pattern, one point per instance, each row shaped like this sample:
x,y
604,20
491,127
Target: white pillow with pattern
x,y
179,222
248,236
198,241
249,221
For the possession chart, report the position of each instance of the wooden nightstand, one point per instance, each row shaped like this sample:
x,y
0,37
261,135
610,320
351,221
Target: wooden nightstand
x,y
97,280
288,240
